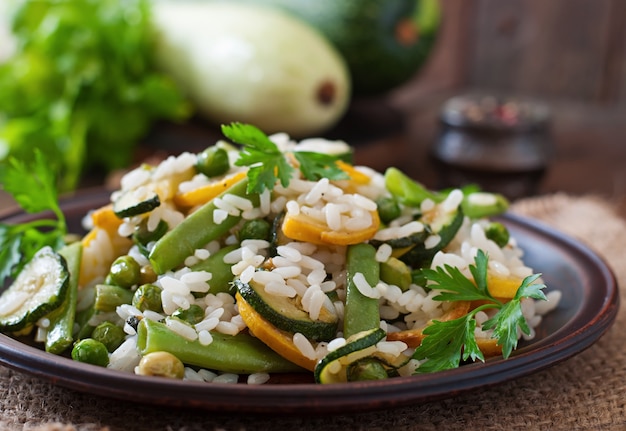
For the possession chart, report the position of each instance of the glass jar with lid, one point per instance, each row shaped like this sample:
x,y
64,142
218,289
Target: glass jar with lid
x,y
500,143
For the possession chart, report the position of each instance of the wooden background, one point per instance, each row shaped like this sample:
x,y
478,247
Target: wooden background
x,y
571,51
568,53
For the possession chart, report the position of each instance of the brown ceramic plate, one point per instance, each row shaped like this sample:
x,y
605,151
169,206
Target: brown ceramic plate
x,y
588,308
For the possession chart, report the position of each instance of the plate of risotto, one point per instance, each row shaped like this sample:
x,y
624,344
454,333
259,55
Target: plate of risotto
x,y
266,273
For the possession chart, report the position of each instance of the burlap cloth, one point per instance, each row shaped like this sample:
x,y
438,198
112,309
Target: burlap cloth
x,y
587,391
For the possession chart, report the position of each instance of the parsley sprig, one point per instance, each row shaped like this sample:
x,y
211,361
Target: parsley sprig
x,y
447,343
33,187
268,165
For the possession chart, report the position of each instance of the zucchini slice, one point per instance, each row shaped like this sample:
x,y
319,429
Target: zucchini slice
x,y
135,202
360,349
446,227
39,288
287,313
333,368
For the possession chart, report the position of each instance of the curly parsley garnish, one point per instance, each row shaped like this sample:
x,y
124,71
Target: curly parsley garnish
x,y
447,343
33,188
269,165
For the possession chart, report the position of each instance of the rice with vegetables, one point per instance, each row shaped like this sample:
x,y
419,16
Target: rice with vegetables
x,y
272,256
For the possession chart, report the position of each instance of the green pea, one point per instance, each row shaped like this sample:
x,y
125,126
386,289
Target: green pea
x,y
148,297
109,334
125,272
193,314
255,229
213,162
90,351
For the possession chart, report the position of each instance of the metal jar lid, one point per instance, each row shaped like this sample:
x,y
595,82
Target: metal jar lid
x,y
494,133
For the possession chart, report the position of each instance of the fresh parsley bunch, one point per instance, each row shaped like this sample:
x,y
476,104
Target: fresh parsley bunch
x,y
82,85
32,185
447,343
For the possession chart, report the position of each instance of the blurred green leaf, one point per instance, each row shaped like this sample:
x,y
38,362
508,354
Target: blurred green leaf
x,y
82,86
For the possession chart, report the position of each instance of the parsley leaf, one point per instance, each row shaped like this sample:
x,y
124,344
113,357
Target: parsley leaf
x,y
447,343
33,188
510,317
261,155
268,164
315,166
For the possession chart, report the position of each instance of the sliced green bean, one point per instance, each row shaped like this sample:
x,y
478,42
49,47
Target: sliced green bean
x,y
361,313
484,204
241,353
109,297
197,230
407,190
222,275
60,336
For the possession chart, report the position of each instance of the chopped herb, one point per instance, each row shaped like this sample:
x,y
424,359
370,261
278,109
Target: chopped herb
x,y
268,164
261,155
448,343
33,188
315,166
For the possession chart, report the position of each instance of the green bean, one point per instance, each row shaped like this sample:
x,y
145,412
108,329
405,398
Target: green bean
x,y
197,230
222,276
109,297
407,190
361,313
488,205
412,193
241,353
60,336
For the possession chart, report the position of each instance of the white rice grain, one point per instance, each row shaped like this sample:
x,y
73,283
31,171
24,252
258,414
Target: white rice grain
x,y
363,286
383,253
219,216
181,329
304,345
238,202
258,378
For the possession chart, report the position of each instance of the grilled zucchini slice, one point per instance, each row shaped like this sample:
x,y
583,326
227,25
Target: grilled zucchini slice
x,y
38,289
135,202
287,313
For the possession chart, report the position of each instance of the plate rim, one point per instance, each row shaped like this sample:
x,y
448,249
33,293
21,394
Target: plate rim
x,y
327,399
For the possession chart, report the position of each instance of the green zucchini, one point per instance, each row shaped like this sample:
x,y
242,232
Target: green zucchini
x,y
38,289
446,226
59,336
333,368
132,203
287,313
394,271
